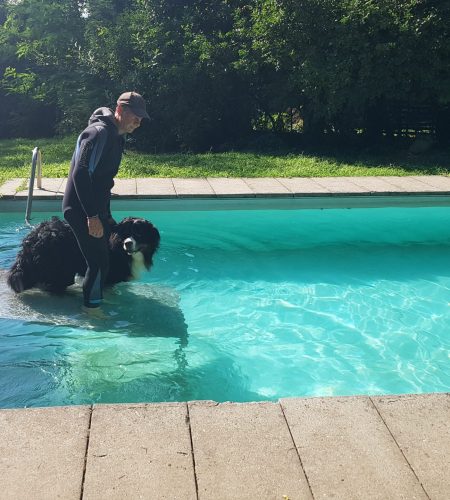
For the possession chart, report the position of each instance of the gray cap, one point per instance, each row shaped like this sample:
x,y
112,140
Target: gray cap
x,y
135,102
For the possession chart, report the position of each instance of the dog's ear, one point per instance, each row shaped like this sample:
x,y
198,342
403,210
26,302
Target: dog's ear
x,y
152,245
123,228
155,238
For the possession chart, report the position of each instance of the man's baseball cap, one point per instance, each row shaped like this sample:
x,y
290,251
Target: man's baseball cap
x,y
135,102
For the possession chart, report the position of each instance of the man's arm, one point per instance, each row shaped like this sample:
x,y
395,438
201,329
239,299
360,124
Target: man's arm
x,y
89,149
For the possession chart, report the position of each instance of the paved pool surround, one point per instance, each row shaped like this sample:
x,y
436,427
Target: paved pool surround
x,y
390,447
379,447
157,188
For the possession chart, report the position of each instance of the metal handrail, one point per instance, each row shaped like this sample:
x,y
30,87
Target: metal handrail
x,y
36,162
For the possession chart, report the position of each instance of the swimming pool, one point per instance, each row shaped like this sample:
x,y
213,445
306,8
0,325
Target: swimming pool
x,y
244,305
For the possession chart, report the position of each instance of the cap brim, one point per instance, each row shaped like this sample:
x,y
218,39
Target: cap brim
x,y
140,113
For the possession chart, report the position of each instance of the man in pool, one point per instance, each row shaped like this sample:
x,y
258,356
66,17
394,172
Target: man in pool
x,y
86,203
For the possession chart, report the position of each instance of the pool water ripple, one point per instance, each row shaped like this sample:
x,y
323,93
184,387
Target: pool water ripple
x,y
245,306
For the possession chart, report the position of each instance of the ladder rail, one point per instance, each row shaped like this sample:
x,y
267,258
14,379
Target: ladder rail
x,y
36,163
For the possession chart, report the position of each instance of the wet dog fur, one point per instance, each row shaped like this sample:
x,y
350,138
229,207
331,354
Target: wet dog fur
x,y
50,258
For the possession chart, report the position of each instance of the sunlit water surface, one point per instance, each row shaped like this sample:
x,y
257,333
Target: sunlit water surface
x,y
244,306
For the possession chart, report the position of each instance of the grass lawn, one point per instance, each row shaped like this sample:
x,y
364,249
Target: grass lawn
x,y
15,161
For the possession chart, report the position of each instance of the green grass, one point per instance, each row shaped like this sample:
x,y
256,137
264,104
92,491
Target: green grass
x,y
15,161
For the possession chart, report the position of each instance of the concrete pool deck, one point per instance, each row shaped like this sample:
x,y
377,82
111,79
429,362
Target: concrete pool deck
x,y
387,447
158,188
379,447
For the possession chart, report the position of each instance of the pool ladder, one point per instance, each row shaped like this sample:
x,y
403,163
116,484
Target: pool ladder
x,y
36,162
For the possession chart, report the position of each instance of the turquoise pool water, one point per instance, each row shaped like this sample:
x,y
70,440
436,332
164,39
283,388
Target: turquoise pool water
x,y
245,306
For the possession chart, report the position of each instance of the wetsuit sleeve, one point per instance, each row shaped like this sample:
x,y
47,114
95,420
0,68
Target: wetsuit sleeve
x,y
89,150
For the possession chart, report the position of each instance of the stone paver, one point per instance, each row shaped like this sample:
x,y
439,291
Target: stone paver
x,y
347,452
339,185
186,188
420,425
437,182
245,451
50,188
386,447
409,184
267,186
62,188
156,187
378,185
140,451
225,187
42,452
9,188
301,186
124,187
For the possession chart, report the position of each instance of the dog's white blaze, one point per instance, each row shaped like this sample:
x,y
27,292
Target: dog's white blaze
x,y
137,264
133,246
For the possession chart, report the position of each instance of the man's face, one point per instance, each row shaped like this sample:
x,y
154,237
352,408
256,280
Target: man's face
x,y
128,121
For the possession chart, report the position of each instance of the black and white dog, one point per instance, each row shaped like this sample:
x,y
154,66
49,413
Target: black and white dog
x,y
50,257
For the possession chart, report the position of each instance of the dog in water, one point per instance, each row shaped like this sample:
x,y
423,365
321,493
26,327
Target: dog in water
x,y
50,257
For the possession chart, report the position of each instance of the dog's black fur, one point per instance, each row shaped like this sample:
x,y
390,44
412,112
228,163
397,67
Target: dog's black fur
x,y
50,257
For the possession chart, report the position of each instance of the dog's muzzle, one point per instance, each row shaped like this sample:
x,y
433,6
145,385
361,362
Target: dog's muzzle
x,y
129,245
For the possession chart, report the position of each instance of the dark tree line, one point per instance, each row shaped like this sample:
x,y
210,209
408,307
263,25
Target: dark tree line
x,y
217,73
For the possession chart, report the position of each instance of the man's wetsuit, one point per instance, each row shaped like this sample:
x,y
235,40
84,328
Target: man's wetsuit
x,y
95,162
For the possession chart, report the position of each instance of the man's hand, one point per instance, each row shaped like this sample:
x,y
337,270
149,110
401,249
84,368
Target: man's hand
x,y
95,226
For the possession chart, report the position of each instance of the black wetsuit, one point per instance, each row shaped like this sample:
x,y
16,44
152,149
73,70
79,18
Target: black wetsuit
x,y
95,162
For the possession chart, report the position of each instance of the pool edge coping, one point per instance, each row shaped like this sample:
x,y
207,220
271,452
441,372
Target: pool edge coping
x,y
224,188
297,447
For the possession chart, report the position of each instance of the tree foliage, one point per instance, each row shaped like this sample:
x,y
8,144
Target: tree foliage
x,y
213,71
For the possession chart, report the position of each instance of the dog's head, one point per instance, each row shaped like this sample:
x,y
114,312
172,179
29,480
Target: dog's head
x,y
137,235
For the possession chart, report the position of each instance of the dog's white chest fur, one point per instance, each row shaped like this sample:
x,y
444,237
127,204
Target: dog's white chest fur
x,y
137,265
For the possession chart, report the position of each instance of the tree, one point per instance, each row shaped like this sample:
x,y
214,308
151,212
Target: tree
x,y
213,70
